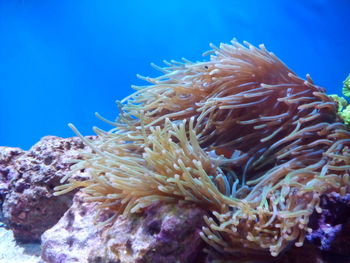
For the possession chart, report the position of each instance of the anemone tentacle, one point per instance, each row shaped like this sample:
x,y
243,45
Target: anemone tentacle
x,y
239,134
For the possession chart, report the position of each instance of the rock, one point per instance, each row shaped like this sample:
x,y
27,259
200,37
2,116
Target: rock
x,y
72,238
331,228
161,233
8,157
29,207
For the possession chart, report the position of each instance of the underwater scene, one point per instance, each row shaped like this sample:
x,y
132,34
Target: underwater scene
x,y
174,131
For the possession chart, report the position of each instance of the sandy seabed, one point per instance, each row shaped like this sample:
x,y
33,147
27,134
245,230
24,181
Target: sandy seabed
x,y
11,252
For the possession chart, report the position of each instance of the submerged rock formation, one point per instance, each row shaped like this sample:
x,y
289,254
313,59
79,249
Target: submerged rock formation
x,y
8,158
27,180
162,233
331,228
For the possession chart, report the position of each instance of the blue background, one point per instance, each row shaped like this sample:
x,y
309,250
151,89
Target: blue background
x,y
62,60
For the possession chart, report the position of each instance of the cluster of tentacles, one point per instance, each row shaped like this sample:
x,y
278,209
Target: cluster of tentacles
x,y
239,134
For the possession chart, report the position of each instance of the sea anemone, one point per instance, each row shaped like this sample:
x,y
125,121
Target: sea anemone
x,y
240,135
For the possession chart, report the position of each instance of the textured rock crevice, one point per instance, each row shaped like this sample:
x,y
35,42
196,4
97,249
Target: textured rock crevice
x,y
331,228
8,158
162,233
27,180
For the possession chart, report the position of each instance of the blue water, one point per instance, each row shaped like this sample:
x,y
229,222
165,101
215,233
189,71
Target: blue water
x,y
62,60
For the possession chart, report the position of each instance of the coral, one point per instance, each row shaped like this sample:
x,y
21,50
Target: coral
x,y
331,228
343,107
162,233
345,115
27,179
8,157
240,135
346,87
342,103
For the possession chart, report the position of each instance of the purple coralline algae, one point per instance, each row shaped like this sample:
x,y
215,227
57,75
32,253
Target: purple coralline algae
x,y
331,228
27,180
162,233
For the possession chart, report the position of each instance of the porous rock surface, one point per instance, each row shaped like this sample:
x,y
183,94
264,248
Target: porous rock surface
x,y
331,228
27,180
8,157
161,233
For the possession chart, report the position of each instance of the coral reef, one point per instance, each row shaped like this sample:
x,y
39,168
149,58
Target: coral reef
x,y
163,233
159,232
346,87
27,179
331,228
72,238
8,157
343,107
239,135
